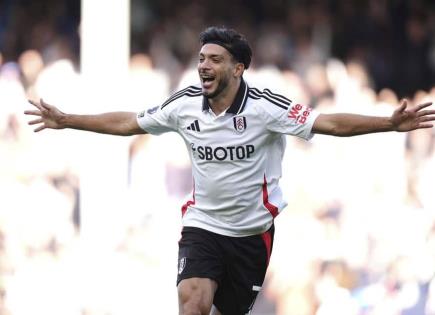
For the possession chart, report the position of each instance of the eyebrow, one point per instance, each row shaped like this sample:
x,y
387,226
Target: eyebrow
x,y
211,55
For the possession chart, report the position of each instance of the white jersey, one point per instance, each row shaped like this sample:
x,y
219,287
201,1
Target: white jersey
x,y
236,156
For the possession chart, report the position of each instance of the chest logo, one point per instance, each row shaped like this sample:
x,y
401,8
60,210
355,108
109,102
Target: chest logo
x,y
194,126
240,123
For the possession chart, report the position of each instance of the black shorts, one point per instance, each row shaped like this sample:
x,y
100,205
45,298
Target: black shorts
x,y
237,264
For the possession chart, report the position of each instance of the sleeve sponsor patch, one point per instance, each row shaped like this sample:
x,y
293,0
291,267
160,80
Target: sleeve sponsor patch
x,y
141,114
148,111
152,110
299,113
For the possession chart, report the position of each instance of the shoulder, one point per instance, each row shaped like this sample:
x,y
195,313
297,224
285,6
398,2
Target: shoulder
x,y
188,93
269,101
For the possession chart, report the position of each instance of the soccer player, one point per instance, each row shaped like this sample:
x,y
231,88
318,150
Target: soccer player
x,y
235,135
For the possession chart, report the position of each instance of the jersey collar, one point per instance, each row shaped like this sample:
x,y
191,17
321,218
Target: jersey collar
x,y
239,102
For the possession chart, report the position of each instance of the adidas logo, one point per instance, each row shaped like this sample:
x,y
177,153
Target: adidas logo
x,y
194,126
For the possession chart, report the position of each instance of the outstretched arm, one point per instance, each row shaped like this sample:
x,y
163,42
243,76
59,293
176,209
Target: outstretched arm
x,y
115,123
403,119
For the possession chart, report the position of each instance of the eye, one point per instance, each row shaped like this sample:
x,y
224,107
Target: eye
x,y
201,59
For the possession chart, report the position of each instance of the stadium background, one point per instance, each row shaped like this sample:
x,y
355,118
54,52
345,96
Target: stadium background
x,y
89,223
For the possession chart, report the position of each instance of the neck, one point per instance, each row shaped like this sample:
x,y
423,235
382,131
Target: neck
x,y
225,99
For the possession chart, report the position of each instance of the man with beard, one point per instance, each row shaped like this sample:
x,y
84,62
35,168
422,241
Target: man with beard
x,y
235,135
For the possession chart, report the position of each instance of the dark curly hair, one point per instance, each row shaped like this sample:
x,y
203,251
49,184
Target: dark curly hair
x,y
231,40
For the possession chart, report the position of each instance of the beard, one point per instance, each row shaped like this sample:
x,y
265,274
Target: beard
x,y
222,85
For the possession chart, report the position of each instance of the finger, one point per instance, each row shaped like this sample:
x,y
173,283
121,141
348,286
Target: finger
x,y
44,104
39,128
36,104
35,121
402,106
425,113
33,112
427,118
421,106
425,125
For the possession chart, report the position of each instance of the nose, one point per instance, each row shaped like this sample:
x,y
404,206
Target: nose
x,y
204,64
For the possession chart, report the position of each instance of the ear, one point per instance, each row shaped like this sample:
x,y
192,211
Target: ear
x,y
238,69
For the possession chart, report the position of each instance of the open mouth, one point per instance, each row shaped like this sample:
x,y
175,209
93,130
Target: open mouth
x,y
207,80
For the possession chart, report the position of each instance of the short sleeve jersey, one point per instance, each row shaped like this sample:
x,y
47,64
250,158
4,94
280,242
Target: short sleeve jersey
x,y
236,156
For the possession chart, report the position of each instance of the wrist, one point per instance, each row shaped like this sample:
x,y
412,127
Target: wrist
x,y
390,125
64,120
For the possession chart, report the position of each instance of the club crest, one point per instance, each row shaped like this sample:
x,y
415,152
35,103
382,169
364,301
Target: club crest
x,y
239,123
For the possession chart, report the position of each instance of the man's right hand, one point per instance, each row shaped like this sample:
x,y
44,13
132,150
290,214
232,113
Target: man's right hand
x,y
49,116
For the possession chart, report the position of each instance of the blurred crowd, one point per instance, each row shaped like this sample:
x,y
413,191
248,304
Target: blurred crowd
x,y
358,235
393,39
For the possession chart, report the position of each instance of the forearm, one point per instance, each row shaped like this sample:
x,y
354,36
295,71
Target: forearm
x,y
346,125
115,123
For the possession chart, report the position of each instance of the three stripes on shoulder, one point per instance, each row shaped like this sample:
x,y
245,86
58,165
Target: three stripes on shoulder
x,y
276,99
189,91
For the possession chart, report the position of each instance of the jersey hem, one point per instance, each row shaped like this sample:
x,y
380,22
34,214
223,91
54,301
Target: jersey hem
x,y
227,232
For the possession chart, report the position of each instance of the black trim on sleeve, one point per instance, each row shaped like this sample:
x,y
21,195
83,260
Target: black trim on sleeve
x,y
189,91
276,99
